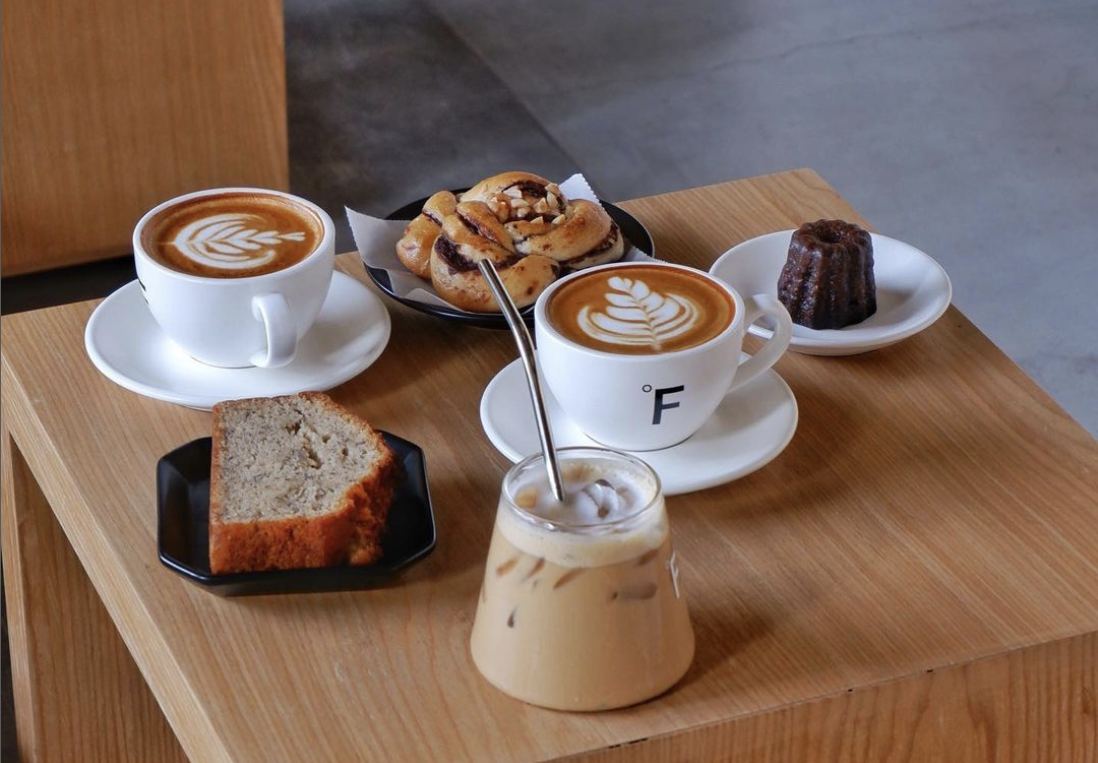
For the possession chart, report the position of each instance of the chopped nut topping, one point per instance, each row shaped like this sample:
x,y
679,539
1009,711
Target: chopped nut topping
x,y
552,199
514,192
517,203
541,206
553,188
558,219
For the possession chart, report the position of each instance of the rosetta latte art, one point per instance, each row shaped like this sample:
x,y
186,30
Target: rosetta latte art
x,y
231,241
636,315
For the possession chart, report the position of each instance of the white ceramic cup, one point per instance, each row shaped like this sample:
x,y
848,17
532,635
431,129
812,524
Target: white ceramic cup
x,y
238,322
645,402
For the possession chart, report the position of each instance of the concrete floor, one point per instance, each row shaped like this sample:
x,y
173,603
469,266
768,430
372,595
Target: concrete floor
x,y
967,129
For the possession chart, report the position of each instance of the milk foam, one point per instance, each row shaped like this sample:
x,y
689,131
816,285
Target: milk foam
x,y
625,529
637,315
233,241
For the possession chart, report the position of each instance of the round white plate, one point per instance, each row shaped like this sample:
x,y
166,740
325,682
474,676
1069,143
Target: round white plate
x,y
751,427
127,346
912,292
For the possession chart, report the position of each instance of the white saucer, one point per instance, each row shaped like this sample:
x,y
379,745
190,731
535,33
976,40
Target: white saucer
x,y
127,345
912,292
750,428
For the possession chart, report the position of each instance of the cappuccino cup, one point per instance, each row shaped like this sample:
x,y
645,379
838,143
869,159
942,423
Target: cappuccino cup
x,y
640,354
235,276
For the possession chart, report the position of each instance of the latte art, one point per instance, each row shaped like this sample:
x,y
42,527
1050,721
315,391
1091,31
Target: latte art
x,y
232,234
640,309
637,315
226,241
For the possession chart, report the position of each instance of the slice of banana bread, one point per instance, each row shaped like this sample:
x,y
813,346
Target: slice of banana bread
x,y
296,481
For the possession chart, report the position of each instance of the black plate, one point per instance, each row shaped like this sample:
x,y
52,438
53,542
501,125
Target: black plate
x,y
631,228
183,505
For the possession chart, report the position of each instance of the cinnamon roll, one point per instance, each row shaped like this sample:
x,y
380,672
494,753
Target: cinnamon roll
x,y
519,220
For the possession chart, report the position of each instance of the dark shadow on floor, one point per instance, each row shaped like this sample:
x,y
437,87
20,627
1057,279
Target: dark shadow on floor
x,y
59,287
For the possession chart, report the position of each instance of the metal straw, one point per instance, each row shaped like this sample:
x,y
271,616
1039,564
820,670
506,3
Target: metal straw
x,y
526,352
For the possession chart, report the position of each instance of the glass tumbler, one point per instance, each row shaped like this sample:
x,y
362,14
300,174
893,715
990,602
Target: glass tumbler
x,y
581,607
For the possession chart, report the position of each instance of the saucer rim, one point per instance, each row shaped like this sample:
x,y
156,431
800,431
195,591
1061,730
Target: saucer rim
x,y
675,485
205,401
831,342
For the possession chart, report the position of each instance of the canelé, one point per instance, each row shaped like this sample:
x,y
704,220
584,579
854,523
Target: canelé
x,y
827,281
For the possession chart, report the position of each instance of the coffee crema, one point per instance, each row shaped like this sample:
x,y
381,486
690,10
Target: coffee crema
x,y
640,310
232,235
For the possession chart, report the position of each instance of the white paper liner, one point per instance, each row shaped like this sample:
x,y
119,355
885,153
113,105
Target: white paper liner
x,y
376,240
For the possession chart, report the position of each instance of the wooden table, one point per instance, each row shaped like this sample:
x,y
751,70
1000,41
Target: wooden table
x,y
914,578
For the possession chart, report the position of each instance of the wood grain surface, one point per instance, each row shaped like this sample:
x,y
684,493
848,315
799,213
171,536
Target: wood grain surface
x,y
75,662
186,96
914,578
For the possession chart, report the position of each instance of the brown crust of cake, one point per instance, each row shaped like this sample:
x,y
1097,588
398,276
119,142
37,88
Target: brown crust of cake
x,y
349,534
827,281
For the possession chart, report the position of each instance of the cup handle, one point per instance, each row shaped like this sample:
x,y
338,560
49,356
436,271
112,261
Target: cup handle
x,y
279,326
757,307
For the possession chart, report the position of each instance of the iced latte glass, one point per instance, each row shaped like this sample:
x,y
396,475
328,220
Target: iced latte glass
x,y
581,607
